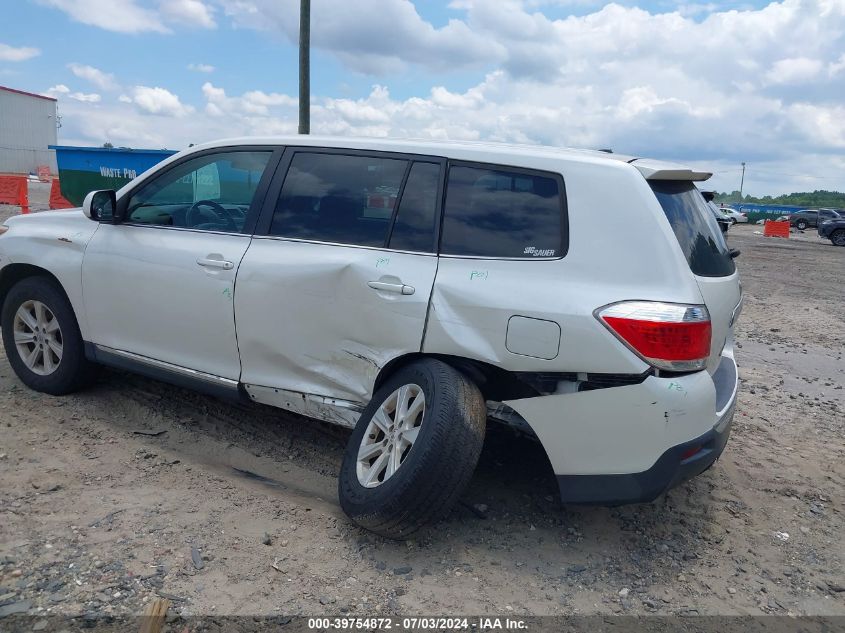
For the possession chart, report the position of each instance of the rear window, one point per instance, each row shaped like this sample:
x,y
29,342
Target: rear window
x,y
698,233
503,213
338,198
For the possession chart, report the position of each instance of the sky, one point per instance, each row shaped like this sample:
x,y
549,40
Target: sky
x,y
710,84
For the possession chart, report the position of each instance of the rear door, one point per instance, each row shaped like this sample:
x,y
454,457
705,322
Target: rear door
x,y
707,254
337,280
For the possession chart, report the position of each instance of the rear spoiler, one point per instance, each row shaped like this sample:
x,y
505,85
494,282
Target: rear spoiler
x,y
660,170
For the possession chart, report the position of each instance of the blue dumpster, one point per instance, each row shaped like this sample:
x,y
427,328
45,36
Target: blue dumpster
x,y
84,169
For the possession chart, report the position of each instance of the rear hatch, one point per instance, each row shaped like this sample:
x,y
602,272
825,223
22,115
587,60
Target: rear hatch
x,y
705,249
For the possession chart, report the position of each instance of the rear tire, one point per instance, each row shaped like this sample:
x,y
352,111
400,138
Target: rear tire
x,y
433,472
42,338
837,238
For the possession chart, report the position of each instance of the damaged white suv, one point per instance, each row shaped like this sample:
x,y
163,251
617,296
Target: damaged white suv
x,y
408,290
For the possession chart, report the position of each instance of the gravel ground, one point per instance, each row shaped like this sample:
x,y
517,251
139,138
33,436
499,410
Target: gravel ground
x,y
233,510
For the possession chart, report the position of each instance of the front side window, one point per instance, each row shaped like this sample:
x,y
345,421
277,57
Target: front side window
x,y
338,198
502,213
211,193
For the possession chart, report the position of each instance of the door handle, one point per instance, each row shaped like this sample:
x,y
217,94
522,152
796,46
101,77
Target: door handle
x,y
384,286
215,263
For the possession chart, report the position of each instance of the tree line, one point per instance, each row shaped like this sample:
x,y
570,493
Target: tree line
x,y
818,198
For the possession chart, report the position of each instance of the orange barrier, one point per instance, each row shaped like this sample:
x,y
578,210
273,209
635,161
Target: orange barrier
x,y
43,172
57,200
14,190
776,229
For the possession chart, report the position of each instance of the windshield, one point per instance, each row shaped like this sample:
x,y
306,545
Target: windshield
x,y
696,229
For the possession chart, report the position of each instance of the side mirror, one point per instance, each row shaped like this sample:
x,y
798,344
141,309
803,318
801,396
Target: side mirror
x,y
100,205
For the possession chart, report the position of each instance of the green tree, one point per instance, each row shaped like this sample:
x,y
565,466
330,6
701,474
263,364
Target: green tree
x,y
811,199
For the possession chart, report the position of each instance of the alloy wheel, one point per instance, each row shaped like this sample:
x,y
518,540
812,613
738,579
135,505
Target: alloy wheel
x,y
390,435
38,337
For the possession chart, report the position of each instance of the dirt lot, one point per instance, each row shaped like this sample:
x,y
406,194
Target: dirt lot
x,y
95,517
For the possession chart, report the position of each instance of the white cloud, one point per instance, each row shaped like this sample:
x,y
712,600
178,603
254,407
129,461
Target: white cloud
x,y
131,16
188,12
372,36
17,54
55,91
254,102
61,90
823,126
159,101
104,81
122,16
85,98
201,68
794,70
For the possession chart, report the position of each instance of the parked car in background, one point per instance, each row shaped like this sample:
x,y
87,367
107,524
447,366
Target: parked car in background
x,y
811,217
408,290
737,217
722,220
833,230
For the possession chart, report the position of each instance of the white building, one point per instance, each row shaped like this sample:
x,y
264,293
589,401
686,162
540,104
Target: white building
x,y
27,127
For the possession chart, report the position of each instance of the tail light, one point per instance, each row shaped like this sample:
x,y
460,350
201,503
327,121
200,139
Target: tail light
x,y
670,336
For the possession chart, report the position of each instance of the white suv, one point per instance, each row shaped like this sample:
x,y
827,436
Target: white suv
x,y
408,290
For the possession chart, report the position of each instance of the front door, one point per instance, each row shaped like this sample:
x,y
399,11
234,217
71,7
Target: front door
x,y
339,275
161,284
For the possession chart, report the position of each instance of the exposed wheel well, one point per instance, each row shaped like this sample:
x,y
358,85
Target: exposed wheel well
x,y
494,382
13,273
499,384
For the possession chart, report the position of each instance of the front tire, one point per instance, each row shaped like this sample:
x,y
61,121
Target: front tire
x,y
837,238
801,225
413,451
42,338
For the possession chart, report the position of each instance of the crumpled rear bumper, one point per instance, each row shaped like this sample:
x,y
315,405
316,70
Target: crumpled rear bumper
x,y
672,468
630,444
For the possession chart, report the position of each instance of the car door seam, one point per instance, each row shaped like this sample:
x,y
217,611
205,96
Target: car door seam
x,y
234,310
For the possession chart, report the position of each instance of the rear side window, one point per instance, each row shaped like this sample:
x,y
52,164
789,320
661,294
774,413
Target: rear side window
x,y
695,227
492,212
337,198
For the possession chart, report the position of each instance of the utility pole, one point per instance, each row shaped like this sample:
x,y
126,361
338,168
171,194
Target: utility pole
x,y
741,183
305,67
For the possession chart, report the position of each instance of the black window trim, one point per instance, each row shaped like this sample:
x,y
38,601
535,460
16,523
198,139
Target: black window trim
x,y
265,218
276,153
438,209
528,171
